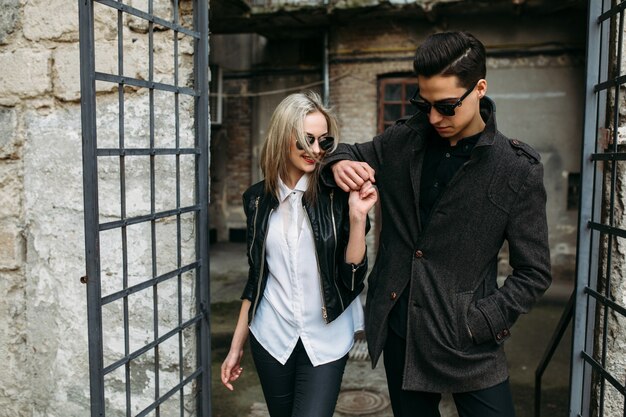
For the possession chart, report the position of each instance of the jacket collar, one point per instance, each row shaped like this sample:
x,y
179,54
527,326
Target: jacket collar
x,y
488,113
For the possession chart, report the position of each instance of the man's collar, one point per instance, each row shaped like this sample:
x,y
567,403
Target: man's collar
x,y
488,113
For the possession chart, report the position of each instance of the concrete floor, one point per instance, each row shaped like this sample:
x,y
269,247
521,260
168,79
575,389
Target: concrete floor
x,y
365,389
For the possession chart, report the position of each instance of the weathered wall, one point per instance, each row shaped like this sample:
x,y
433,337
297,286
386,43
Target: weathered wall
x,y
12,243
231,160
44,367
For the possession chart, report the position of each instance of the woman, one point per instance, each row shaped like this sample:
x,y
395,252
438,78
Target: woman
x,y
307,258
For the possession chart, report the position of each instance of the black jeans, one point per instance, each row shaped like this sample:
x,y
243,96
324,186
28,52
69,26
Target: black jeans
x,y
494,401
297,388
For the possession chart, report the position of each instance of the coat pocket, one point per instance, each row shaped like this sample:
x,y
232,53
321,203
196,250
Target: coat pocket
x,y
463,338
505,186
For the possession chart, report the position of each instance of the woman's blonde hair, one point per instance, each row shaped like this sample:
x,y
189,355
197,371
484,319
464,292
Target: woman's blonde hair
x,y
287,124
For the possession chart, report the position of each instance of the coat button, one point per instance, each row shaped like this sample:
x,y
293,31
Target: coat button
x,y
505,332
393,295
419,253
499,336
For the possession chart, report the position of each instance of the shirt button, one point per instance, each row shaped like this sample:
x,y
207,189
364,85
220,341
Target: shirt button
x,y
393,295
419,253
447,155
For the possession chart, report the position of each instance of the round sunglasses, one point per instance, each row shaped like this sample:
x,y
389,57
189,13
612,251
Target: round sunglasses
x,y
445,109
326,143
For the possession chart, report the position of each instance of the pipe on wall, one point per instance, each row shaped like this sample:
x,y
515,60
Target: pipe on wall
x,y
325,69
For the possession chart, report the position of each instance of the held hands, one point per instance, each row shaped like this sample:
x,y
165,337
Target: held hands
x,y
231,368
363,200
351,175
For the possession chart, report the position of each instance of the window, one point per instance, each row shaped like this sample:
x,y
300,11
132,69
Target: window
x,y
394,94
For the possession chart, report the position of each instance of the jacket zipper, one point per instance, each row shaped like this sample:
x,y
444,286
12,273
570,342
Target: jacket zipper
x,y
319,274
256,211
332,216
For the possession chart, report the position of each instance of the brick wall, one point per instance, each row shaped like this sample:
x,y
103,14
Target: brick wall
x,y
238,118
359,55
231,160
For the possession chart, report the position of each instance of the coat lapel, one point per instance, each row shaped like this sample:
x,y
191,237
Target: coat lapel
x,y
415,169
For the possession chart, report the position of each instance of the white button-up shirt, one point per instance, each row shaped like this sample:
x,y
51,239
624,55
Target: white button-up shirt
x,y
291,308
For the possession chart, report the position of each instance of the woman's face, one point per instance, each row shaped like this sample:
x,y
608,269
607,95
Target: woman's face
x,y
300,162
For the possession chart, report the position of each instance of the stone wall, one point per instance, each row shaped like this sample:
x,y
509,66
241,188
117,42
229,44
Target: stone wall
x,y
43,309
614,349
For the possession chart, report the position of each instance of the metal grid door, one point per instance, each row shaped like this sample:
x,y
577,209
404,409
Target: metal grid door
x,y
598,379
144,110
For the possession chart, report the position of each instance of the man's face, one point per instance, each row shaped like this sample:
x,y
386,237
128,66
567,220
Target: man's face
x,y
466,120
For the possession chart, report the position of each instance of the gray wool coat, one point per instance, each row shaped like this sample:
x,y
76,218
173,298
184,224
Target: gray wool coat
x,y
458,318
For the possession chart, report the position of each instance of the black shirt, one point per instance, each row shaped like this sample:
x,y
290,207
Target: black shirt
x,y
441,163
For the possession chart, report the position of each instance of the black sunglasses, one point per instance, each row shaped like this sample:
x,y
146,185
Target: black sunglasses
x,y
326,143
445,109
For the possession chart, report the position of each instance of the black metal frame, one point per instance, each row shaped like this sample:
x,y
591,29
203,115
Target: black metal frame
x,y
557,336
598,227
197,379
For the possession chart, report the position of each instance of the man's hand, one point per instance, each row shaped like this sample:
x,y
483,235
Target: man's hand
x,y
351,175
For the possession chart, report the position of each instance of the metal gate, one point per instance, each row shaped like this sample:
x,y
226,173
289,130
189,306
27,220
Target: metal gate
x,y
598,379
144,110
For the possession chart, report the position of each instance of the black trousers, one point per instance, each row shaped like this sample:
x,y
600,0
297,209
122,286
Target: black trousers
x,y
494,401
297,388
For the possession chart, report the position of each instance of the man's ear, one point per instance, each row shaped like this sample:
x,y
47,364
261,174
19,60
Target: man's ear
x,y
481,88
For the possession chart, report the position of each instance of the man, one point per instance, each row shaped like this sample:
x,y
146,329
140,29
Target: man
x,y
452,190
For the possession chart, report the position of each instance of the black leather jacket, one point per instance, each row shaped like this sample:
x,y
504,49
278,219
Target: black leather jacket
x,y
340,282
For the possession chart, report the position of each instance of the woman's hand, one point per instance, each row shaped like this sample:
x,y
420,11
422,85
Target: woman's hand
x,y
363,200
360,203
231,368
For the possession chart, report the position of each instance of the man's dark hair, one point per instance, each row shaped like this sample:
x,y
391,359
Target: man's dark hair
x,y
451,53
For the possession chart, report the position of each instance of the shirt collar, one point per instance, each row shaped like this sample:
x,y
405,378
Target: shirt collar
x,y
301,186
462,148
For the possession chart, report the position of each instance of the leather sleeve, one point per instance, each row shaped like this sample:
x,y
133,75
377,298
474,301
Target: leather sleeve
x,y
250,288
352,276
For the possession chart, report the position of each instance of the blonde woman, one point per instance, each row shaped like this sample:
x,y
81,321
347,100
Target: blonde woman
x,y
307,258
